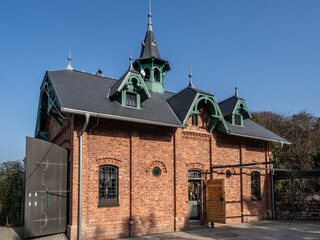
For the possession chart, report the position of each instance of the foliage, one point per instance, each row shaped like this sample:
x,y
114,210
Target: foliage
x,y
11,189
303,131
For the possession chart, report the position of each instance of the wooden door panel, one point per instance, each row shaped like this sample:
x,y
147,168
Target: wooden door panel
x,y
215,201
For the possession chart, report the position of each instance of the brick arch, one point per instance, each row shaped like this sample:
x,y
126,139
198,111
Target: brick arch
x,y
158,164
195,166
108,161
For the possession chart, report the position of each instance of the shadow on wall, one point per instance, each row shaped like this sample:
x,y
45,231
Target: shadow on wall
x,y
258,208
138,226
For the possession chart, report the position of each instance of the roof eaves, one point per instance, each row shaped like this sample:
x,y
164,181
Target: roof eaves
x,y
260,138
116,117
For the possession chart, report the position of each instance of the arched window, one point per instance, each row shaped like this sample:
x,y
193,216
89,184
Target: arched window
x,y
255,186
147,72
108,185
156,75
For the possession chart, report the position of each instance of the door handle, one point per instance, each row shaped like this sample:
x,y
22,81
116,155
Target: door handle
x,y
221,199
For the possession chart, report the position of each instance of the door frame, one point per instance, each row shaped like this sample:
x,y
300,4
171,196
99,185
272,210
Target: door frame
x,y
201,194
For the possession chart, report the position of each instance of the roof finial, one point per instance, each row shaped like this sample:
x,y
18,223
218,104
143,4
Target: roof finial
x,y
99,73
149,16
69,59
131,66
190,78
236,91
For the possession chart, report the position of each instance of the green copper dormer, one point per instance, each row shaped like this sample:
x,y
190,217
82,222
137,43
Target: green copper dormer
x,y
235,109
190,100
130,90
149,64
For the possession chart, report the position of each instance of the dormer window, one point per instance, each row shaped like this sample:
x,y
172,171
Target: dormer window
x,y
131,99
237,119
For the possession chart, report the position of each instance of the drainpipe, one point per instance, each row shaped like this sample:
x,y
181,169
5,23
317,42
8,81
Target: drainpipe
x,y
80,177
272,182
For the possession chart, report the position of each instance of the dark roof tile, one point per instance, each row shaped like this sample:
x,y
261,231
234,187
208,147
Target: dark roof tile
x,y
81,91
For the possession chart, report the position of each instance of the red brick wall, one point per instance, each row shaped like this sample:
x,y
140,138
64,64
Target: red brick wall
x,y
158,204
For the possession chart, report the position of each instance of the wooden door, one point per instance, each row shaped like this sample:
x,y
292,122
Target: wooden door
x,y
216,201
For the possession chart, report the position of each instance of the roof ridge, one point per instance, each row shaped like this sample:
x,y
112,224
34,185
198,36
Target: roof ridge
x,y
226,99
91,74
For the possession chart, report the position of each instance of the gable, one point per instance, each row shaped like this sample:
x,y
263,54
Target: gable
x,y
186,102
49,107
131,82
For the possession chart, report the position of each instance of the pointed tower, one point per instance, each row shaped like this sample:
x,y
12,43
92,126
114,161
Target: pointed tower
x,y
149,64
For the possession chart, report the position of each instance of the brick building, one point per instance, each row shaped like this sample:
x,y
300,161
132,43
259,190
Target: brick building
x,y
147,153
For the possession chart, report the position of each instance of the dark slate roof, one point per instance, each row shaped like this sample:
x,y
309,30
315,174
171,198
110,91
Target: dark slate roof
x,y
251,129
182,102
114,88
82,92
227,106
149,48
86,92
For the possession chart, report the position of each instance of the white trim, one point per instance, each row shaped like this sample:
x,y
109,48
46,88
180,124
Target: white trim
x,y
109,116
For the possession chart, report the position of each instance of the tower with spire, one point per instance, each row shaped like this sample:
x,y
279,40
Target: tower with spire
x,y
149,64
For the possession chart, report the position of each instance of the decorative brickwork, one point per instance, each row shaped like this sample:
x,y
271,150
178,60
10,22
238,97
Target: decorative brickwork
x,y
156,164
195,165
108,161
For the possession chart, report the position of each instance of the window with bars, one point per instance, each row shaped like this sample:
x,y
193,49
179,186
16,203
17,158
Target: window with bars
x,y
108,185
131,99
194,174
255,186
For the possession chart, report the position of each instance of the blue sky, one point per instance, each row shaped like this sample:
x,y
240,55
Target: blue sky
x,y
269,49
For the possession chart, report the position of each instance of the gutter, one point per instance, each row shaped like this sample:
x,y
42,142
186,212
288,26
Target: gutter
x,y
260,138
109,116
80,176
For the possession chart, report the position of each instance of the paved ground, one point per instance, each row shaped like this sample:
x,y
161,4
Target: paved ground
x,y
16,234
308,230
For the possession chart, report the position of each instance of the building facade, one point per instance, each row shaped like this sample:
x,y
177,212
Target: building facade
x,y
147,153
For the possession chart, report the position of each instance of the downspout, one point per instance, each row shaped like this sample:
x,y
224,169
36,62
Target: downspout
x,y
130,172
174,182
80,176
241,185
272,182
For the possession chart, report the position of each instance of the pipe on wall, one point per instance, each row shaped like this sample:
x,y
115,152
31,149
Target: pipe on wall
x,y
80,176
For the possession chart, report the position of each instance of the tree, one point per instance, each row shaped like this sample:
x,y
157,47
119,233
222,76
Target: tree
x,y
303,131
11,189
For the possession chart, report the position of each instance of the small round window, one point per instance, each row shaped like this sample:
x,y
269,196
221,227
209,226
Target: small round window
x,y
156,171
228,173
